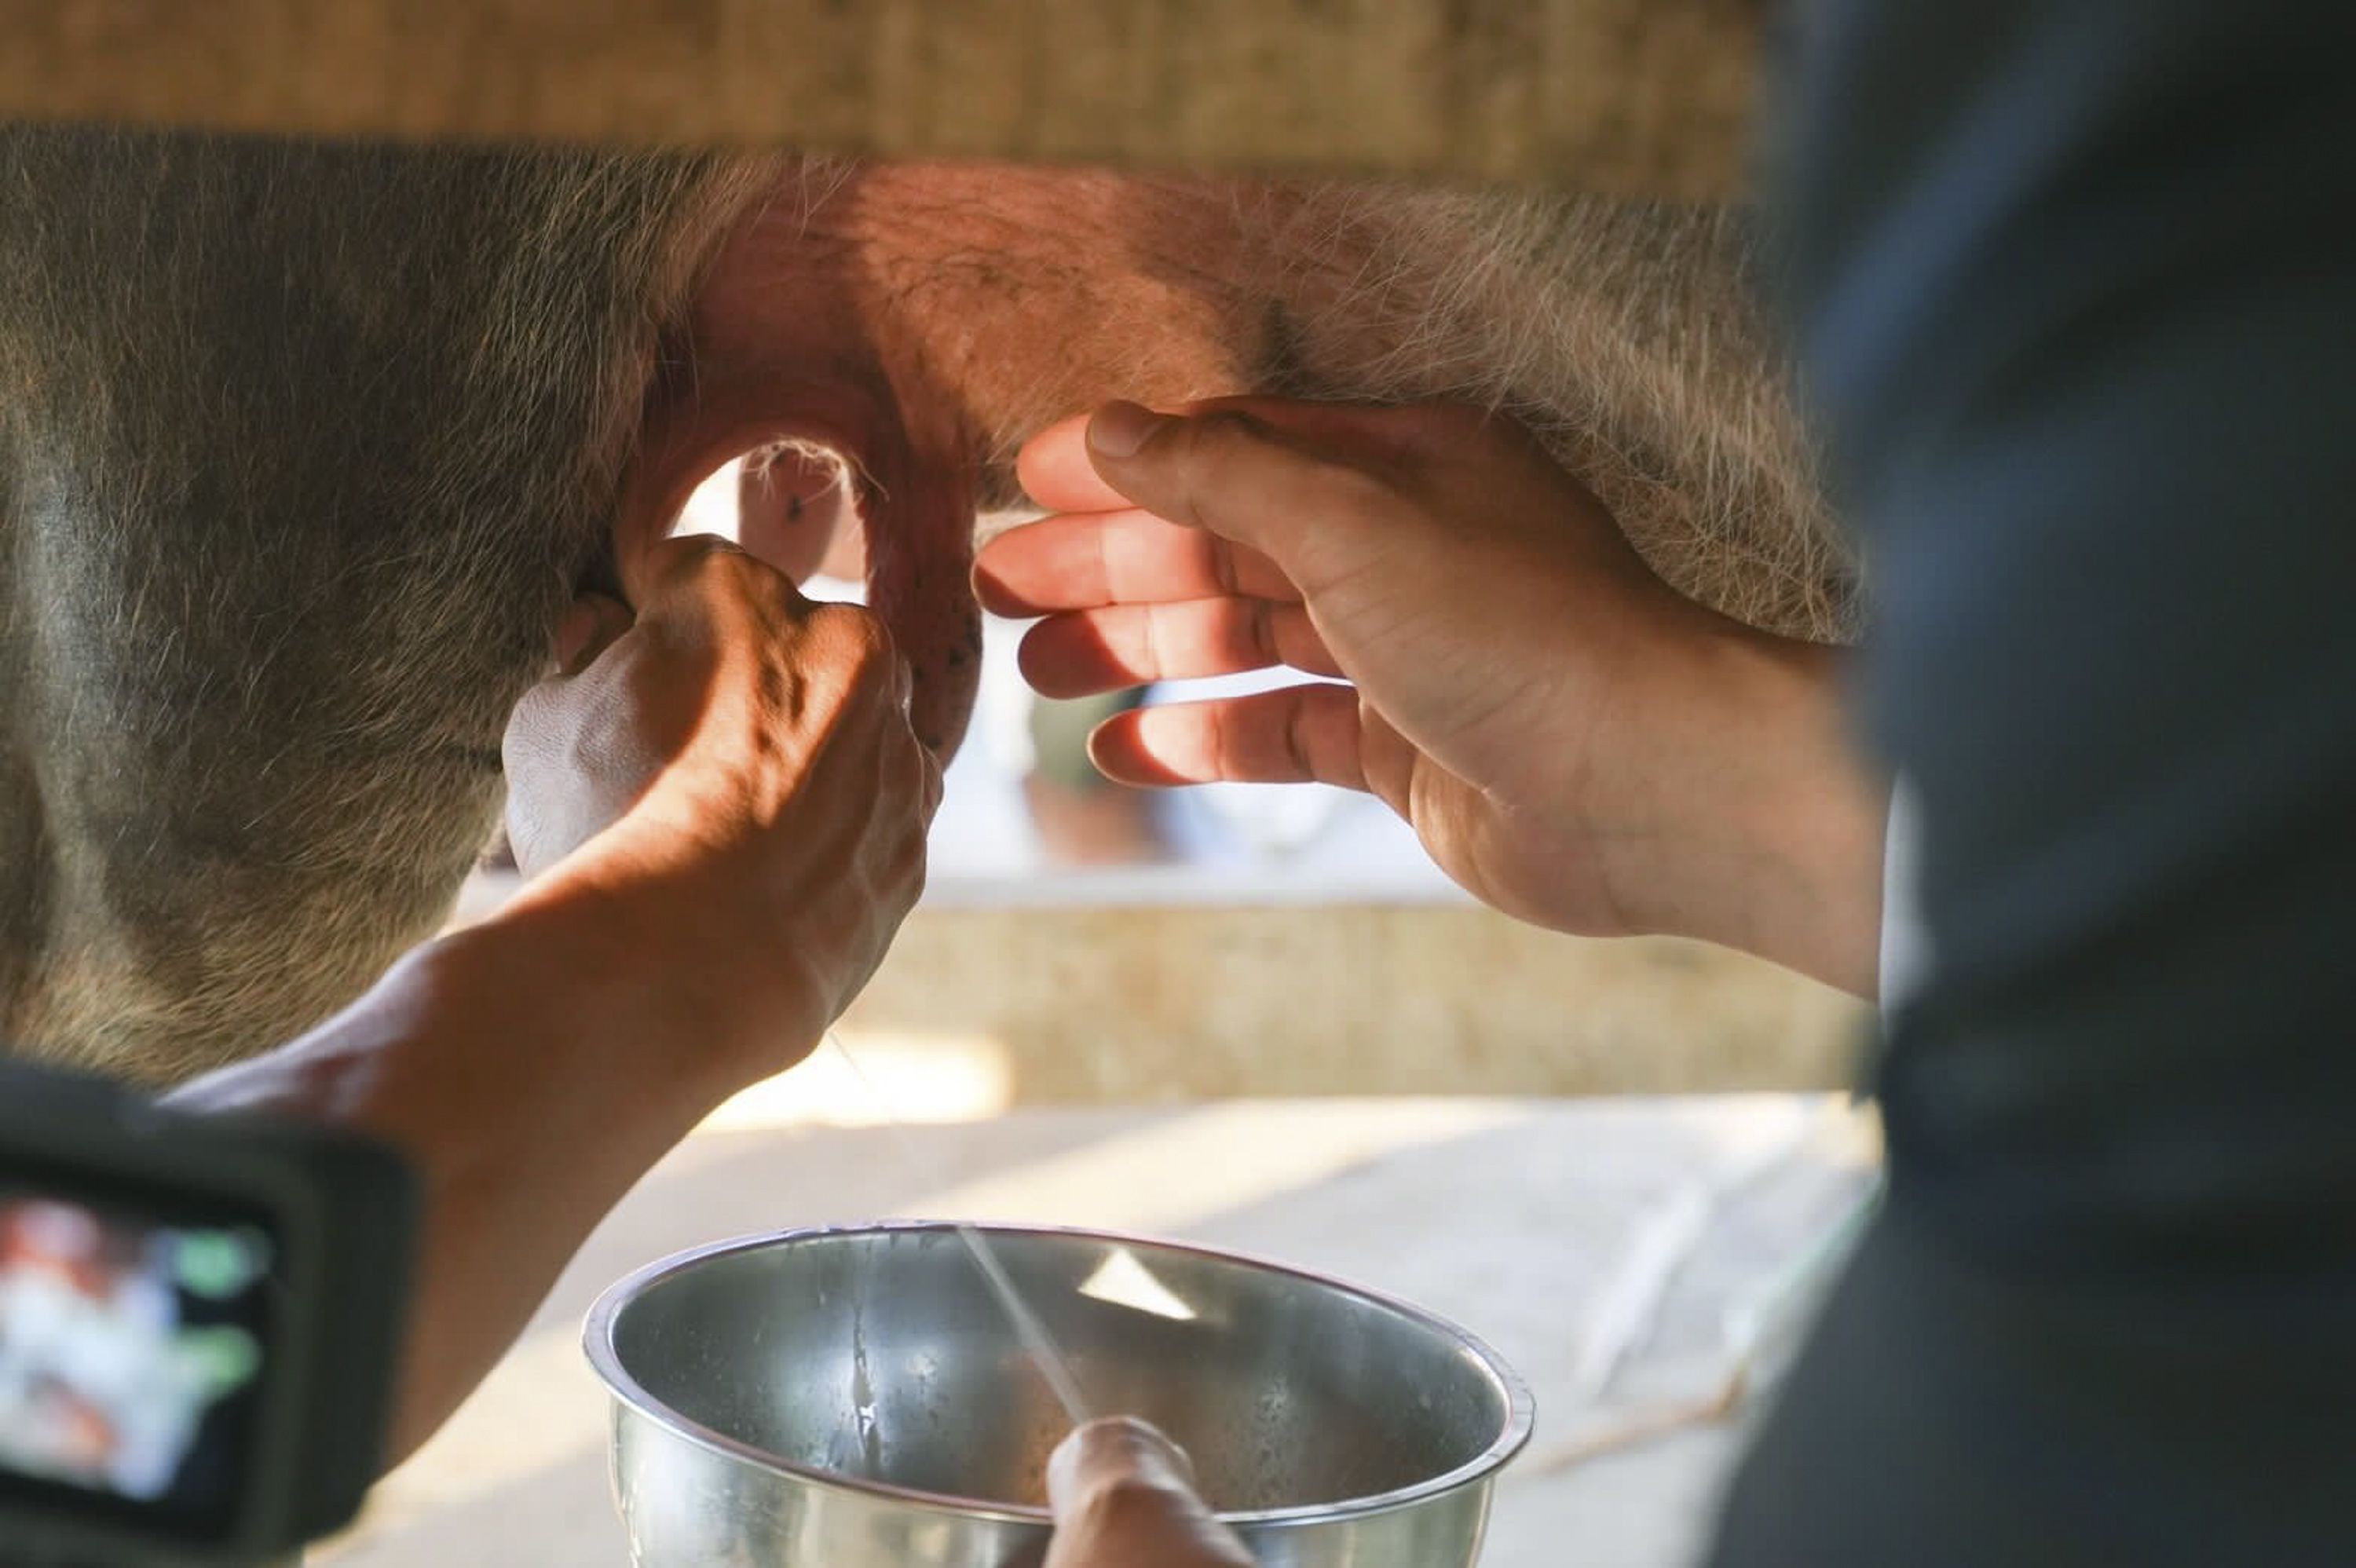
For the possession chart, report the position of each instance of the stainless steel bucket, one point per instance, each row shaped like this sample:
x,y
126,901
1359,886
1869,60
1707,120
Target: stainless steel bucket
x,y
856,1398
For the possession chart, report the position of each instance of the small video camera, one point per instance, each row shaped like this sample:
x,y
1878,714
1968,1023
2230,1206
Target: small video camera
x,y
198,1325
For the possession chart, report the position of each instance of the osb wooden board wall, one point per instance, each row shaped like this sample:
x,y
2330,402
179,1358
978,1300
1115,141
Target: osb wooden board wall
x,y
1623,95
1119,1005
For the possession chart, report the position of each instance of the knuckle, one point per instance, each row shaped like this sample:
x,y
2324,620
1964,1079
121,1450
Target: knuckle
x,y
1225,571
700,571
1331,484
696,554
861,650
908,870
736,569
1315,477
1215,445
1227,427
1297,745
1261,631
866,642
1125,1511
847,624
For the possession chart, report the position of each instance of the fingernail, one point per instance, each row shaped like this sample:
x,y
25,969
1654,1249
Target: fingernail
x,y
1119,1446
1119,428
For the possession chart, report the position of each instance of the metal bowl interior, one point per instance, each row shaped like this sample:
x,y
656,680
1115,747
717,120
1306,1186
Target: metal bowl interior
x,y
877,1358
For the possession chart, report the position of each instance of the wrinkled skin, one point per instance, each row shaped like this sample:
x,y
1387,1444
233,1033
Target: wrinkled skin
x,y
305,450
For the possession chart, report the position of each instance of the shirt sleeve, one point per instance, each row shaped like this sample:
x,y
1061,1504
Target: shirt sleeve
x,y
2074,286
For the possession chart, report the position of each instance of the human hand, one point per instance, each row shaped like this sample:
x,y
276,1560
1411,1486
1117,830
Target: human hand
x,y
726,805
1574,742
734,778
1123,1497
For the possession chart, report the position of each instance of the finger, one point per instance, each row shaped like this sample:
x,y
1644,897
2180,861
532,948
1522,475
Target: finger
x,y
908,777
1399,435
849,651
1116,1448
668,565
1389,760
1091,651
1300,734
656,567
1058,472
589,628
902,693
1370,432
933,783
1317,515
1123,1497
1055,471
685,558
1082,561
703,580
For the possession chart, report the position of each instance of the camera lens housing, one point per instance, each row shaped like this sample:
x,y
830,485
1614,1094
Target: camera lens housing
x,y
200,1318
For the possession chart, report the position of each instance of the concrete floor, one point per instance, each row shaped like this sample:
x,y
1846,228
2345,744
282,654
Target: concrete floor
x,y
1599,1246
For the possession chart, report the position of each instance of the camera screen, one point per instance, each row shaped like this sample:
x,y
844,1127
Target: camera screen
x,y
132,1345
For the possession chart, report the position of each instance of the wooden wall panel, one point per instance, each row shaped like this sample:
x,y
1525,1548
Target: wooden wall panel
x,y
1126,1005
1626,95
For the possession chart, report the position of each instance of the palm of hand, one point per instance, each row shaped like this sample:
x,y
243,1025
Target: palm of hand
x,y
1493,621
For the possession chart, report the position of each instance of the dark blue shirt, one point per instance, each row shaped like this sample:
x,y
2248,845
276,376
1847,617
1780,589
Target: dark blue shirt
x,y
2074,286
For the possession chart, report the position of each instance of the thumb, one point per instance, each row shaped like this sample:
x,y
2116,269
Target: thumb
x,y
1123,1497
1303,502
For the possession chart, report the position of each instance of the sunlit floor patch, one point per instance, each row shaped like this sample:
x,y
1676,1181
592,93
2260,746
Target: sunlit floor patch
x,y
910,1078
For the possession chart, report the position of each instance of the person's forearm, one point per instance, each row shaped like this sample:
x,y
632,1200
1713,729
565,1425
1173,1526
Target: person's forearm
x,y
534,1069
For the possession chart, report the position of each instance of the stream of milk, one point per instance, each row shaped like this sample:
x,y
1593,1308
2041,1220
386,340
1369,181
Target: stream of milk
x,y
1037,1342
